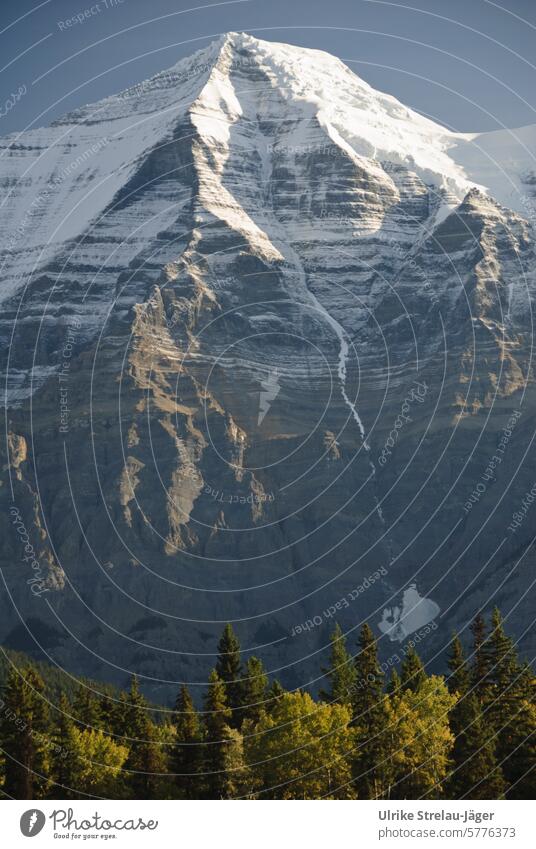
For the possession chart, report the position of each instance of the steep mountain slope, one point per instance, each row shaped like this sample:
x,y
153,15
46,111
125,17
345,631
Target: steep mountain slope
x,y
264,331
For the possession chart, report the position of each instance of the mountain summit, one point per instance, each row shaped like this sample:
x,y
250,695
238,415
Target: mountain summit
x,y
267,340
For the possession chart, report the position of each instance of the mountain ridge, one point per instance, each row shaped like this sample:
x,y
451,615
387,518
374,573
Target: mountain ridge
x,y
259,235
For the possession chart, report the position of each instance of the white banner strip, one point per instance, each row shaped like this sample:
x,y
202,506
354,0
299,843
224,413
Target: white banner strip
x,y
243,825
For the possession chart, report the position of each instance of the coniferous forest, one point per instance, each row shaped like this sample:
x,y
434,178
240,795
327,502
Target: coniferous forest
x,y
467,734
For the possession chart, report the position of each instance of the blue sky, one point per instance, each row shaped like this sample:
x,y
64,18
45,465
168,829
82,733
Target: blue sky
x,y
472,72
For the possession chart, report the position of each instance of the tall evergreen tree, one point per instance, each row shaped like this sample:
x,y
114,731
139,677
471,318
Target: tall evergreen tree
x,y
146,760
26,733
275,693
341,672
254,690
87,709
459,679
476,773
229,669
395,685
217,718
185,758
480,665
370,721
412,674
62,757
508,705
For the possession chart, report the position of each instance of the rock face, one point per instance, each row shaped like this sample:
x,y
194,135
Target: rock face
x,y
268,359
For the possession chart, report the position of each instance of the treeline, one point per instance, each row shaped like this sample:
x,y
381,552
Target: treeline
x,y
468,734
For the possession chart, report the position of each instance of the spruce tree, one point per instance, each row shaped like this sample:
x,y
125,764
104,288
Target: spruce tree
x,y
87,709
509,705
459,679
476,773
412,674
62,756
217,718
369,720
229,669
480,665
146,760
185,759
395,685
254,690
275,692
26,734
341,672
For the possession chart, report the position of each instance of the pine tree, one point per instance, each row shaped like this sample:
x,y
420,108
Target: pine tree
x,y
87,709
395,685
217,717
254,690
62,757
508,705
229,669
476,773
275,692
186,753
371,769
146,760
341,672
480,657
459,679
412,674
26,734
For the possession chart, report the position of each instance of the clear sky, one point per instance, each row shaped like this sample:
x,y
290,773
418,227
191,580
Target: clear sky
x,y
465,63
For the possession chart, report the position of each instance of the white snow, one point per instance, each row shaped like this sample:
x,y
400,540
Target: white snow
x,y
58,180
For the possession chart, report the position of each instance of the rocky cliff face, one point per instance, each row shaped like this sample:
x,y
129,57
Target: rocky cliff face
x,y
267,333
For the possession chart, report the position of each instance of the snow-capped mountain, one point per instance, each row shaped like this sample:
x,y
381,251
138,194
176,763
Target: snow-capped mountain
x,y
265,329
